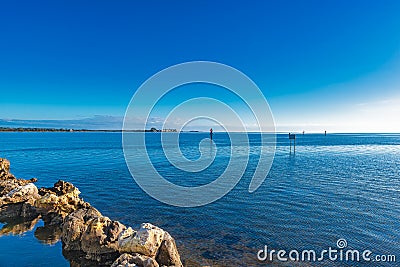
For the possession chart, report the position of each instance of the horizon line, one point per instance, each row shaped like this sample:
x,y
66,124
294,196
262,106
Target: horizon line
x,y
53,129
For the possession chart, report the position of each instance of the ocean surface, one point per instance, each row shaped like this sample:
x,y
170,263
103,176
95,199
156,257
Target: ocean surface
x,y
339,186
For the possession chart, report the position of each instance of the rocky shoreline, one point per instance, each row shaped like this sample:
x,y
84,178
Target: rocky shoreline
x,y
88,238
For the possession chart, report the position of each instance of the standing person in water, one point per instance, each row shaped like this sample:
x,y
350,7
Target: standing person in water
x,y
211,133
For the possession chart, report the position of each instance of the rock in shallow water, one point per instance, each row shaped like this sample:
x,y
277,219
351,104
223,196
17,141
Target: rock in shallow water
x,y
100,238
4,167
134,260
146,240
57,202
83,229
8,182
168,253
17,196
75,225
21,193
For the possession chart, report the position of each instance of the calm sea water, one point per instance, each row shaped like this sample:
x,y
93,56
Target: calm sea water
x,y
335,186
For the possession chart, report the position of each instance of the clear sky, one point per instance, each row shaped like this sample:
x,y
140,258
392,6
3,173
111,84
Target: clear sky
x,y
322,65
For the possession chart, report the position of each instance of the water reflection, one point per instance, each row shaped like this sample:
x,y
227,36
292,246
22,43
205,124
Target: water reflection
x,y
17,226
48,234
45,234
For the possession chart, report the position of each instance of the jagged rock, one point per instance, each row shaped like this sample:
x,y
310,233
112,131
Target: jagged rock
x,y
125,260
100,237
4,167
8,182
61,188
23,210
17,197
89,231
168,253
75,225
20,194
134,260
57,202
87,236
18,203
21,191
145,241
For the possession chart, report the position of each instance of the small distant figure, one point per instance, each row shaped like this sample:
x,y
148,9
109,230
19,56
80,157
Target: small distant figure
x,y
211,133
303,132
325,133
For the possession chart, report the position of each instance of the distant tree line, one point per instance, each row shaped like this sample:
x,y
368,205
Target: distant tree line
x,y
35,129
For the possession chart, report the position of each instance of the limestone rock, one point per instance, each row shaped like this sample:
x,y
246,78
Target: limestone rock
x,y
57,202
101,236
86,234
23,190
168,253
145,241
134,260
88,231
8,182
18,203
17,196
4,167
18,211
125,260
20,193
75,225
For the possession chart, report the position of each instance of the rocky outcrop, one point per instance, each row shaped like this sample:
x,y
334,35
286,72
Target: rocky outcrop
x,y
21,193
101,238
147,240
99,241
134,260
57,202
85,233
75,225
168,252
17,196
8,182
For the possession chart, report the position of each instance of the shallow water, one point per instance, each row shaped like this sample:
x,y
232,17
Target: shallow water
x,y
335,186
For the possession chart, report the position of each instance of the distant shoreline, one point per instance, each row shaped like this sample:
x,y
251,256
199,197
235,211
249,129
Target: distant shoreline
x,y
23,129
35,129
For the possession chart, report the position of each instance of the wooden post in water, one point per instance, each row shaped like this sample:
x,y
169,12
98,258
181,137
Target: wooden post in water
x,y
292,137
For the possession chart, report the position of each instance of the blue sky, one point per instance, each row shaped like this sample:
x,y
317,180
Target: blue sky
x,y
331,65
